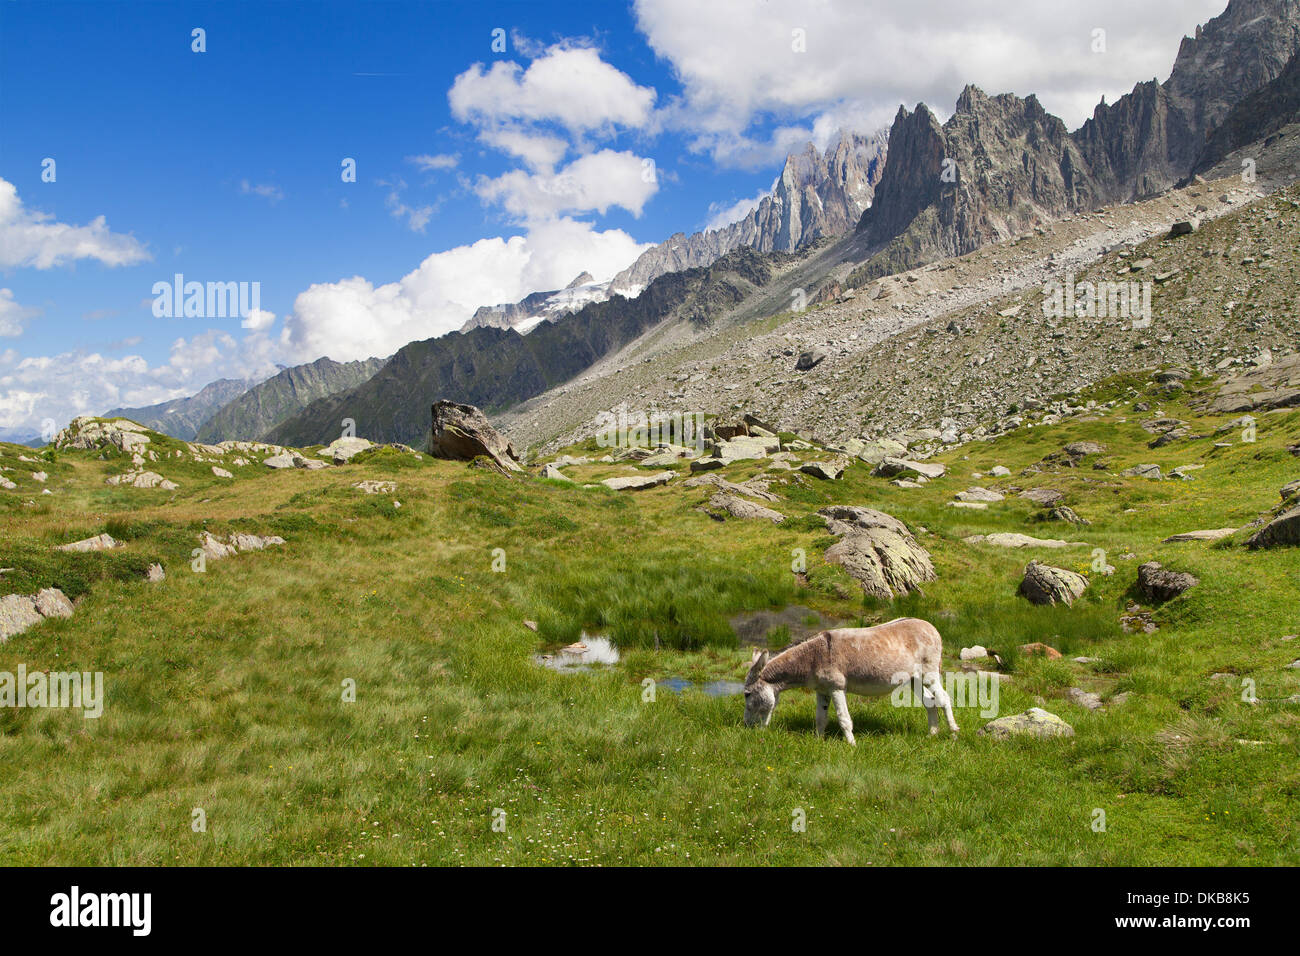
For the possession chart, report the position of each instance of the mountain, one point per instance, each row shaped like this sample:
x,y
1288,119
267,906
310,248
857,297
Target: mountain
x,y
496,368
264,406
817,195
1149,139
1257,118
1016,166
182,417
523,316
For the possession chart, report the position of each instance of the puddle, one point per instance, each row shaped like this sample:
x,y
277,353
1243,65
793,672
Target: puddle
x,y
753,627
583,655
714,688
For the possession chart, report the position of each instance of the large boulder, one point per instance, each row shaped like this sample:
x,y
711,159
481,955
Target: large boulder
x,y
20,611
637,482
100,542
724,503
90,432
463,433
1281,531
1035,722
1158,583
877,550
893,467
1044,584
341,450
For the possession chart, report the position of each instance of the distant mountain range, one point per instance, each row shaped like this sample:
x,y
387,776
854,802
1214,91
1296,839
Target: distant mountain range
x,y
259,409
182,417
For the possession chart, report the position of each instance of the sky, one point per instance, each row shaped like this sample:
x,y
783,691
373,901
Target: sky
x,y
381,170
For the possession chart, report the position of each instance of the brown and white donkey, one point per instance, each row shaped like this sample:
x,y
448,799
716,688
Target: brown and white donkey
x,y
870,661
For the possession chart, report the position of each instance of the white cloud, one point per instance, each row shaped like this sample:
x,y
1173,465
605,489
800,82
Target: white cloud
x,y
538,150
74,383
31,238
353,318
570,86
265,190
737,66
12,315
428,164
595,182
259,320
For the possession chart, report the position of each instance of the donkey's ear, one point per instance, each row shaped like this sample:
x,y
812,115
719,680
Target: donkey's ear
x,y
757,654
762,659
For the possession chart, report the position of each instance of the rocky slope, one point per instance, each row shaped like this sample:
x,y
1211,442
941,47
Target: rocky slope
x,y
182,417
496,368
256,411
968,338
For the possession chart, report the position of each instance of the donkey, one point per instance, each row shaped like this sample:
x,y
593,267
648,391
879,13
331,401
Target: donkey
x,y
870,661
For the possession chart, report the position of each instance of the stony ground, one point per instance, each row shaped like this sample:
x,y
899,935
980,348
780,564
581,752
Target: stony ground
x,y
967,338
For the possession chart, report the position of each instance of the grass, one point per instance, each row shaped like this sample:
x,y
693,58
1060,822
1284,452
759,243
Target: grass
x,y
225,689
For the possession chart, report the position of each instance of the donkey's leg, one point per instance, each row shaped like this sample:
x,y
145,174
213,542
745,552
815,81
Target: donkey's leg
x,y
934,684
931,708
823,701
842,715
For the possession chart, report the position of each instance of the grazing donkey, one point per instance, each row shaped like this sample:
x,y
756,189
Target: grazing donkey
x,y
864,660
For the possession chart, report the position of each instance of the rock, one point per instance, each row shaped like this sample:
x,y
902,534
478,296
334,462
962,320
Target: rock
x,y
825,470
1082,449
637,482
973,653
1290,490
877,550
283,460
722,503
1013,539
1184,227
754,488
213,548
1142,471
6,484
978,494
1047,497
1039,649
550,471
893,467
253,542
17,613
531,625
221,472
1160,584
88,432
874,452
810,360
143,479
1034,722
462,433
1083,698
1276,385
999,471
1211,535
51,602
40,476
100,542
373,486
155,573
1284,530
1044,584
1067,514
969,505
342,450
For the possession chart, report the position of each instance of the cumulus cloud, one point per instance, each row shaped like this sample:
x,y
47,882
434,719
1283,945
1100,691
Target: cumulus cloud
x,y
723,214
353,318
589,183
739,63
570,86
81,382
29,238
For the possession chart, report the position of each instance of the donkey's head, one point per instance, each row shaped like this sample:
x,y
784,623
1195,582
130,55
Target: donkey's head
x,y
760,696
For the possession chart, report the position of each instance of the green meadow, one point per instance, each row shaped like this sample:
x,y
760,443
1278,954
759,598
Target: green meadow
x,y
227,688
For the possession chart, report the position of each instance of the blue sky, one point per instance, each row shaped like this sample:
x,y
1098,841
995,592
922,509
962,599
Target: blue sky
x,y
224,165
